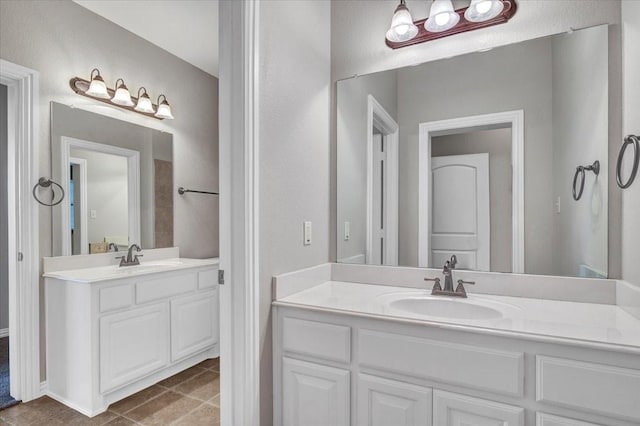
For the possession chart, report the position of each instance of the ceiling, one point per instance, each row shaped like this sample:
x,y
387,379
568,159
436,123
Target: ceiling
x,y
186,28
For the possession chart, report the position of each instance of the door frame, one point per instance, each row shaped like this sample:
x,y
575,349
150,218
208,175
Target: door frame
x,y
379,118
239,213
133,181
23,243
464,124
84,238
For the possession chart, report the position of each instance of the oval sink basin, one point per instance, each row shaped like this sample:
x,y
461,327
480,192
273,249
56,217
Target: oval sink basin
x,y
445,308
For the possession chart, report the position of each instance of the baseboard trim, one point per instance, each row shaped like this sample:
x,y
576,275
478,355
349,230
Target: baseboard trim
x,y
4,332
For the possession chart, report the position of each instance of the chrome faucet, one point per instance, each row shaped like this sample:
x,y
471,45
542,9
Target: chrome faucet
x,y
114,246
131,259
448,290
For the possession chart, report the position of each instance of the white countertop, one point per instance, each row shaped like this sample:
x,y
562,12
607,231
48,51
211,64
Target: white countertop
x,y
113,272
587,324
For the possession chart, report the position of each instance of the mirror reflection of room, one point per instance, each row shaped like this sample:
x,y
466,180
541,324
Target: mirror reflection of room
x,y
507,129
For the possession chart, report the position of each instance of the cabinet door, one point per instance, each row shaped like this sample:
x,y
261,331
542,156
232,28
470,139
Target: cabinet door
x,y
133,344
450,409
383,402
543,419
314,395
194,324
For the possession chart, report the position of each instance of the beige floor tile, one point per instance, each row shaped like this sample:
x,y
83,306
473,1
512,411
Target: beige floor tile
x,y
164,409
36,412
136,399
120,421
74,418
215,400
204,415
210,364
202,387
181,377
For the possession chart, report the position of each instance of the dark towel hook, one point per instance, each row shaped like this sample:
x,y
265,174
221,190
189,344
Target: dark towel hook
x,y
47,183
580,171
628,141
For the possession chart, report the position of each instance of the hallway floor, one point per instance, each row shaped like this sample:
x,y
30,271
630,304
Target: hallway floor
x,y
5,397
190,398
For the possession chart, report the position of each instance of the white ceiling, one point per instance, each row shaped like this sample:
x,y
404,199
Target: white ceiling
x,y
185,28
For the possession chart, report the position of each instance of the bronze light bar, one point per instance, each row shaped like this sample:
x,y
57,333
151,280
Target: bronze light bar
x,y
462,26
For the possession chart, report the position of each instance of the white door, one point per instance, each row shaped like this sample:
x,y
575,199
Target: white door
x,y
378,237
450,409
543,419
460,211
193,324
383,402
133,344
314,394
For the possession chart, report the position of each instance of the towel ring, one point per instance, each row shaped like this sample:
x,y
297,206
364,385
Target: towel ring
x,y
581,171
628,141
46,183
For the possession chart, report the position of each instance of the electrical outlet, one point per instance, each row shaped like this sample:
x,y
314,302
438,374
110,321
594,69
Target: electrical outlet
x,y
307,234
93,214
558,206
347,231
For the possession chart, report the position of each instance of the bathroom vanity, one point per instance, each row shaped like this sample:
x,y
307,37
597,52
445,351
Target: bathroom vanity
x,y
350,351
113,331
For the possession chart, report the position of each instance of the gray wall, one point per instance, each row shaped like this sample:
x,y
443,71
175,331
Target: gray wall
x,y
61,39
352,153
497,143
4,256
631,202
294,108
580,129
443,90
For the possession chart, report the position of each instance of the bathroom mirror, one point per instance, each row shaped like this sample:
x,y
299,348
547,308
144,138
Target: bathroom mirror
x,y
118,180
478,156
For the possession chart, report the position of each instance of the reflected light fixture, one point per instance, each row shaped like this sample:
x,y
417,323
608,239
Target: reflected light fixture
x,y
144,102
122,96
483,10
97,87
444,21
164,110
442,17
402,26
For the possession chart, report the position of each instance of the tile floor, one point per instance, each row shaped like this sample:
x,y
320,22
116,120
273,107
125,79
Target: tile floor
x,y
190,398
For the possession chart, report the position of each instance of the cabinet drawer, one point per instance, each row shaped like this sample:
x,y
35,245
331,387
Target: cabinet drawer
x,y
194,324
207,279
602,389
317,339
544,419
471,366
165,287
452,409
133,344
383,402
117,297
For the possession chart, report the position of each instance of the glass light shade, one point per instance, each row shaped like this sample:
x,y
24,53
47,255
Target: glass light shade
x,y
97,88
442,17
122,96
402,27
483,10
144,104
164,111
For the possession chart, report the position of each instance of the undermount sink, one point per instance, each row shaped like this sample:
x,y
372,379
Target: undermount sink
x,y
446,308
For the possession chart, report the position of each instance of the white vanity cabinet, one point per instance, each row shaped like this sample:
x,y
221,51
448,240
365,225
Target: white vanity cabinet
x,y
108,339
339,368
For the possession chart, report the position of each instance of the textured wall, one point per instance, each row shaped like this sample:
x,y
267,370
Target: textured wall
x,y
294,81
61,39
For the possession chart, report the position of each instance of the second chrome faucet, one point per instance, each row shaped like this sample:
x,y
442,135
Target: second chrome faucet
x,y
448,290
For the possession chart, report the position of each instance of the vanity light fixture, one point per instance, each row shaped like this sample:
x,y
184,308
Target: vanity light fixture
x,y
444,21
164,110
95,88
122,95
144,102
402,26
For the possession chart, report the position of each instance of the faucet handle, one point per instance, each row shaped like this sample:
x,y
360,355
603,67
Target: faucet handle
x,y
436,285
460,282
460,289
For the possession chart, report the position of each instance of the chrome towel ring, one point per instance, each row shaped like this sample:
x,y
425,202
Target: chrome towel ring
x,y
47,183
628,141
581,171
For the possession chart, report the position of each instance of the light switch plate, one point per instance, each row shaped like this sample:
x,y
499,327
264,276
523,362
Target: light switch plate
x,y
93,214
347,231
307,233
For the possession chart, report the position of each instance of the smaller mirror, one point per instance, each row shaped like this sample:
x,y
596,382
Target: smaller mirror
x,y
119,181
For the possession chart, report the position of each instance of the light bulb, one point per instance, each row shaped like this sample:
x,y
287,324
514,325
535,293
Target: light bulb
x,y
122,96
441,18
97,87
164,110
483,10
144,103
483,7
402,27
